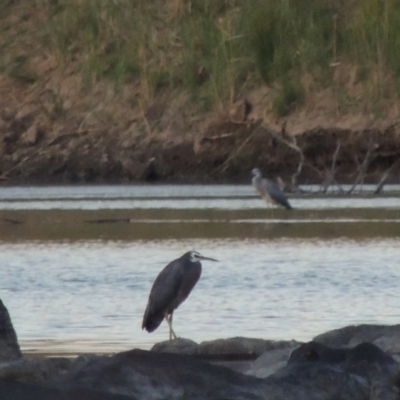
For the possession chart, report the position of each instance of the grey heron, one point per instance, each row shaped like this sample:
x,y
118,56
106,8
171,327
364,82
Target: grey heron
x,y
170,289
269,190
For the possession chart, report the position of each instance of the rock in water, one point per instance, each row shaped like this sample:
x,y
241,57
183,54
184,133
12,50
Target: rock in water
x,y
9,347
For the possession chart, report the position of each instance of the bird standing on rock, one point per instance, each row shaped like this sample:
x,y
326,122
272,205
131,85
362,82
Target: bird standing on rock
x,y
269,190
170,289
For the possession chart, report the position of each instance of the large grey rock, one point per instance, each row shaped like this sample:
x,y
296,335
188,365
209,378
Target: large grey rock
x,y
246,347
384,392
314,351
356,334
35,370
315,372
177,346
390,343
270,362
151,375
40,370
365,360
315,381
386,337
236,347
237,353
20,391
9,347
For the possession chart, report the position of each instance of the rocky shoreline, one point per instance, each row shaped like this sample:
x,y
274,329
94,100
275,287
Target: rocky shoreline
x,y
351,363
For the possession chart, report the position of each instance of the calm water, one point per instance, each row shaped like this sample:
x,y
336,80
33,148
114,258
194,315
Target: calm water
x,y
77,263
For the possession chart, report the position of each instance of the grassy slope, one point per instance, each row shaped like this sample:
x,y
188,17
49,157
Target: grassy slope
x,y
213,50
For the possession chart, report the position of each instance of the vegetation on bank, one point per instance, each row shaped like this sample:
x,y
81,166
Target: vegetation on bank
x,y
216,50
92,90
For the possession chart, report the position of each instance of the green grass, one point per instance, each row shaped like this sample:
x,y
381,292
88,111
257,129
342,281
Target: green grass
x,y
216,49
291,38
98,34
375,44
197,48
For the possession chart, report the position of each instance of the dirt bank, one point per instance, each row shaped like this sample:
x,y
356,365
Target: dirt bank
x,y
221,147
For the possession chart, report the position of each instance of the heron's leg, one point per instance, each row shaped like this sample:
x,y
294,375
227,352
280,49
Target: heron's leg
x,y
166,316
172,334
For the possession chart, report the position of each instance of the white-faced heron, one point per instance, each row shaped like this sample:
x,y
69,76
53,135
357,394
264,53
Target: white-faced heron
x,y
269,190
170,289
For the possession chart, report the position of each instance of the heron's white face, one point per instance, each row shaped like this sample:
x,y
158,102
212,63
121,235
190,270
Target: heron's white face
x,y
256,172
195,256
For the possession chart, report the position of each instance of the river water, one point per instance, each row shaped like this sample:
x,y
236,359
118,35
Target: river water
x,y
77,263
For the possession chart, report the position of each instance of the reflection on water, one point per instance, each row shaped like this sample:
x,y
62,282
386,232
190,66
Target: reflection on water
x,y
76,277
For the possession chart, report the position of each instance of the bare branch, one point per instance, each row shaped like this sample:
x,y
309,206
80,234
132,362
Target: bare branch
x,y
5,175
334,158
333,166
363,168
385,175
293,145
331,178
225,164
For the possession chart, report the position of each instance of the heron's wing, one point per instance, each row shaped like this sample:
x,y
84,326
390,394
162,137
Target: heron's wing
x,y
162,294
166,285
275,193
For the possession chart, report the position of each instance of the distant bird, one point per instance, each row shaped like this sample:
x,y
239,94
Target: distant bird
x,y
170,289
269,190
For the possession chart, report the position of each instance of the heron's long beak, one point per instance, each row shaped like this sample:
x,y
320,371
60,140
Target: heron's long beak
x,y
208,258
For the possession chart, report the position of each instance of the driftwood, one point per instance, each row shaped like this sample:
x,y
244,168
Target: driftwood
x,y
328,175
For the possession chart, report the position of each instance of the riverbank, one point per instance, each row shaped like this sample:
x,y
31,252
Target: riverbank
x,y
171,91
